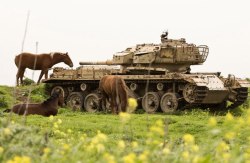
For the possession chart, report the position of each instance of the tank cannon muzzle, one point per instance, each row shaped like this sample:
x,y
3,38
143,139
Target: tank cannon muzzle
x,y
108,62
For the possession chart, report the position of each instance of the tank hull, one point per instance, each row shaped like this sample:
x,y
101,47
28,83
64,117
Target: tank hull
x,y
166,92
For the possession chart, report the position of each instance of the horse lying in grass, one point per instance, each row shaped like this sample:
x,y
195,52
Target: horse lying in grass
x,y
39,62
114,88
46,108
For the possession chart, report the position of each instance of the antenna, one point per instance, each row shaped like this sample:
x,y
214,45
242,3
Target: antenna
x,y
26,29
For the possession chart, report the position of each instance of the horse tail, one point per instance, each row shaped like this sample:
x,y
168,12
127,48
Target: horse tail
x,y
7,110
123,95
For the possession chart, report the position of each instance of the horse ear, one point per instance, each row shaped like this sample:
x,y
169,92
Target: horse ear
x,y
66,53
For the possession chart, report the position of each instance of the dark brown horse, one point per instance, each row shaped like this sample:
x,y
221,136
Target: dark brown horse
x,y
39,62
114,88
46,108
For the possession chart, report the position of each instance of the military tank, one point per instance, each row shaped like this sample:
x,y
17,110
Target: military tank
x,y
158,75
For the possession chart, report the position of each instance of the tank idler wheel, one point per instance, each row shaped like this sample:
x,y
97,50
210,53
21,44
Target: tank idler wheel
x,y
151,102
169,102
92,102
75,101
189,93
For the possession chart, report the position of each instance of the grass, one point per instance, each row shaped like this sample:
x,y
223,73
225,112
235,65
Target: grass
x,y
187,136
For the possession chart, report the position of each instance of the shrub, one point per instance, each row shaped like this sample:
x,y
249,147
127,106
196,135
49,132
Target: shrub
x,y
28,81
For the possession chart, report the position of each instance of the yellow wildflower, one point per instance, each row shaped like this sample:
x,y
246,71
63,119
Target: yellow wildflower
x,y
18,159
6,131
132,104
130,158
69,131
121,144
159,123
59,121
188,139
195,148
229,117
222,147
110,158
57,131
196,159
100,148
166,151
185,155
66,147
124,117
46,150
246,156
55,125
226,156
134,144
157,130
101,137
212,122
1,150
230,135
143,157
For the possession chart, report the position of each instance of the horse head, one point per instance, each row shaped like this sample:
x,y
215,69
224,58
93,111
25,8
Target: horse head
x,y
66,59
58,94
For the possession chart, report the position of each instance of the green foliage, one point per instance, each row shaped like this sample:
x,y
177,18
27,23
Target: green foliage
x,y
38,93
28,81
190,136
3,103
6,96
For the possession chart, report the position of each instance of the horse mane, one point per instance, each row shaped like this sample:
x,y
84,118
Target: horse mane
x,y
52,97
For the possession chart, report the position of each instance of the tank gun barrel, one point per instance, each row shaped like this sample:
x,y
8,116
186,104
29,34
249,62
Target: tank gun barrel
x,y
108,62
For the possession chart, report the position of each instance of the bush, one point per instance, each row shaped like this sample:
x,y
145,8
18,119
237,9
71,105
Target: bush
x,y
28,81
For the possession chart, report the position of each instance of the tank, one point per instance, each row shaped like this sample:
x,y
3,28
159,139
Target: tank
x,y
159,76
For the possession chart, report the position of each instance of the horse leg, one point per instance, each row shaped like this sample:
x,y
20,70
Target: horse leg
x,y
41,75
112,105
46,74
17,77
20,74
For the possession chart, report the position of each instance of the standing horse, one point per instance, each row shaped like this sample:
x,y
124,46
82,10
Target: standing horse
x,y
39,62
46,108
114,88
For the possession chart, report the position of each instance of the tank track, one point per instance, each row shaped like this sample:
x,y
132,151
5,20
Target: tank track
x,y
242,95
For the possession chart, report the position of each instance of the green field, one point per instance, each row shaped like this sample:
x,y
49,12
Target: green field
x,y
186,136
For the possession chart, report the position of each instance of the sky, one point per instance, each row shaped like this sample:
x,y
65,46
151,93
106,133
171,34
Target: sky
x,y
95,30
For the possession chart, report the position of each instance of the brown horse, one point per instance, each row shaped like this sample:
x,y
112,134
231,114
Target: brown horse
x,y
46,108
114,88
39,62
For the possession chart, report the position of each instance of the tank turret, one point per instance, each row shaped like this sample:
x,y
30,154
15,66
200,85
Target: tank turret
x,y
173,55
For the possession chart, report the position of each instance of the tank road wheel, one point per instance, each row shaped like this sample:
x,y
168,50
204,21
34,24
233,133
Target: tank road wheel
x,y
169,102
92,102
75,101
189,93
59,88
151,102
